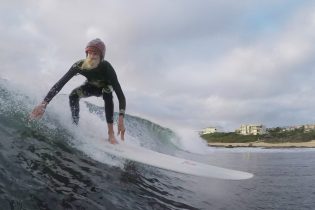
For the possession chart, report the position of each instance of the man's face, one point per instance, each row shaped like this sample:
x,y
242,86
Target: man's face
x,y
92,61
93,55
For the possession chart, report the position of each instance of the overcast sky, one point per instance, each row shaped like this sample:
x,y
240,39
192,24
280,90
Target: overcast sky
x,y
187,63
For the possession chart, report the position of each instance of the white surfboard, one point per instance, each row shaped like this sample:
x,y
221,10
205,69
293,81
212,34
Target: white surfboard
x,y
168,162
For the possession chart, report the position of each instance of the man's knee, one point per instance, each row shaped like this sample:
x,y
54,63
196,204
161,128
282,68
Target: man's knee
x,y
107,93
75,94
107,97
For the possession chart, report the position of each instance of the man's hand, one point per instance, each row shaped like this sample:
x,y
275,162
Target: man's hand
x,y
121,127
38,111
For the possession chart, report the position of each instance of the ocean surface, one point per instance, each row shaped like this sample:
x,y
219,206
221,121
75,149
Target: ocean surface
x,y
51,164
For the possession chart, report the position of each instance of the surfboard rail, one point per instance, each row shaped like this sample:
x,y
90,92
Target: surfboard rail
x,y
172,163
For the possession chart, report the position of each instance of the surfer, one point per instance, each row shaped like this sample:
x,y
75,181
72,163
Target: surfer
x,y
101,81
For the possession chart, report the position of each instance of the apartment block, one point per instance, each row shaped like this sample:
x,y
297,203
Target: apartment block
x,y
208,130
251,129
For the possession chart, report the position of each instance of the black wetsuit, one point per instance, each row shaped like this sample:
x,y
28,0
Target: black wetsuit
x,y
100,82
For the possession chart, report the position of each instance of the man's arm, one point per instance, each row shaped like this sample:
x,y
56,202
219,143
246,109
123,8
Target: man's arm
x,y
39,110
122,108
121,99
59,85
117,88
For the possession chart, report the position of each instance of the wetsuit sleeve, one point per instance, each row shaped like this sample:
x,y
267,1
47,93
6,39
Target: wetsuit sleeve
x,y
59,85
118,90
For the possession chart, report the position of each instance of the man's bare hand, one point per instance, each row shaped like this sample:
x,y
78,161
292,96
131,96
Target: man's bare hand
x,y
38,111
121,127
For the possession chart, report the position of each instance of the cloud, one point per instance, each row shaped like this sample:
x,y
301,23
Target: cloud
x,y
179,62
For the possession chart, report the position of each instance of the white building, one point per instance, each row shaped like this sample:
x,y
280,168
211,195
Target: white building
x,y
208,130
251,129
308,128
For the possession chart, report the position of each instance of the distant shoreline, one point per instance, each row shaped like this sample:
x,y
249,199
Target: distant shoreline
x,y
309,144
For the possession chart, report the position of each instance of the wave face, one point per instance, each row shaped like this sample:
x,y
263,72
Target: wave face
x,y
143,132
51,164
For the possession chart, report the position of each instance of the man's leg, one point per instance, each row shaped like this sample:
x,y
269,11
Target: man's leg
x,y
83,91
109,113
74,104
109,107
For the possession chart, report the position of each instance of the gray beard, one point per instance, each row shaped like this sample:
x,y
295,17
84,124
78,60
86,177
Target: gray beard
x,y
89,64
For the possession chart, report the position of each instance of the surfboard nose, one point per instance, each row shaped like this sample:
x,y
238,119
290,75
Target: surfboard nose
x,y
241,176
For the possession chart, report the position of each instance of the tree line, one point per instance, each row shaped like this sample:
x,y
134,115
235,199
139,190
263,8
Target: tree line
x,y
273,135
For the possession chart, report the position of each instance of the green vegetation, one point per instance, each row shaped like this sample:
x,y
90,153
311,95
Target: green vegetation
x,y
229,137
274,135
296,135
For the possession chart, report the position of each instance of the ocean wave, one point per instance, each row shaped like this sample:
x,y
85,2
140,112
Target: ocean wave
x,y
52,164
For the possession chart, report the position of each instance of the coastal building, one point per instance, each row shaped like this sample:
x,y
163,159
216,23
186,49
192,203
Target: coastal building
x,y
308,128
292,128
209,130
251,130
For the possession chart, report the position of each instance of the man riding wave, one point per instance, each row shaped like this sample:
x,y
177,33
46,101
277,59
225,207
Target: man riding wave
x,y
101,81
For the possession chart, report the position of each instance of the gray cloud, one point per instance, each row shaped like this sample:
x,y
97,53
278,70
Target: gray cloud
x,y
195,63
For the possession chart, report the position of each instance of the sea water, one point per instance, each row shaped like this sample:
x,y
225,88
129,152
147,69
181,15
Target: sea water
x,y
51,164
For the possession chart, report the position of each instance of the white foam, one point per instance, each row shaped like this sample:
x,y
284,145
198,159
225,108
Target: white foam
x,y
190,141
91,133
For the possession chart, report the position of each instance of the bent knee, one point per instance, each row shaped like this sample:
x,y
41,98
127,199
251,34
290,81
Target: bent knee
x,y
76,94
107,96
73,95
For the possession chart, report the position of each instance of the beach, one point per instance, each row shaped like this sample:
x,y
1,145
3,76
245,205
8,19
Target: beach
x,y
309,144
